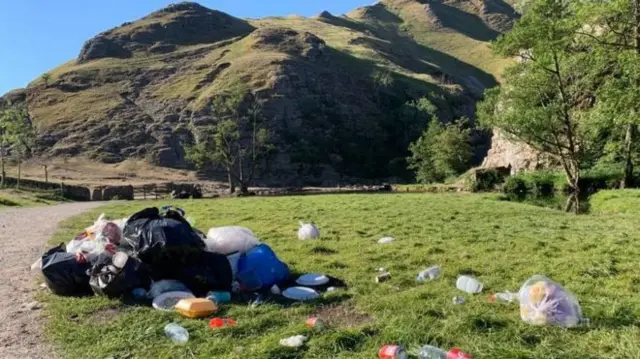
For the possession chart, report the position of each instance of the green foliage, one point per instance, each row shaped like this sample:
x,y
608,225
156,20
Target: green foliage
x,y
542,101
442,151
45,77
236,142
515,188
502,243
17,130
484,179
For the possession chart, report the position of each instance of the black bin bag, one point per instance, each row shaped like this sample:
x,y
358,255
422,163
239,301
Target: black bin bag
x,y
63,274
164,242
118,275
206,271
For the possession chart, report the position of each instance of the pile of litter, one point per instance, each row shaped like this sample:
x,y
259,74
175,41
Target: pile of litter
x,y
156,257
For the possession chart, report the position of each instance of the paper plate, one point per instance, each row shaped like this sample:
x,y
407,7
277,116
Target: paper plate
x,y
167,301
300,293
312,279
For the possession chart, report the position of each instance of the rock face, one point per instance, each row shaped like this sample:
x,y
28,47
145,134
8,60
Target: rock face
x,y
515,155
179,24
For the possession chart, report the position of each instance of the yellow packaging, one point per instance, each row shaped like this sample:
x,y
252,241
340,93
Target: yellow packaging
x,y
196,307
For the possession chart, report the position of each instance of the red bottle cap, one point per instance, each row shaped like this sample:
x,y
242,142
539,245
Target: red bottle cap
x,y
457,354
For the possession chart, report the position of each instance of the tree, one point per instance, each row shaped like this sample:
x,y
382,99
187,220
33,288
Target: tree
x,y
383,80
236,141
18,132
545,98
441,152
612,29
45,78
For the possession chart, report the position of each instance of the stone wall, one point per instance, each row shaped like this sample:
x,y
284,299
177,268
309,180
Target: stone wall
x,y
117,192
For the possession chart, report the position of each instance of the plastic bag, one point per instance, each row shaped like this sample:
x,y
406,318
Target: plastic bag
x,y
206,272
163,242
166,285
260,268
63,274
227,240
308,231
544,302
118,275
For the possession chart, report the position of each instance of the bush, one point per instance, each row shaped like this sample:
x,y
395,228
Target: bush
x,y
515,188
485,179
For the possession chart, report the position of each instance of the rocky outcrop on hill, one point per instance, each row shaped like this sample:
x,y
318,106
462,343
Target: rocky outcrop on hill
x,y
179,24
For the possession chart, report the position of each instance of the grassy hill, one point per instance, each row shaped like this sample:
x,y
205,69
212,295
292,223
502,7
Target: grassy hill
x,y
141,90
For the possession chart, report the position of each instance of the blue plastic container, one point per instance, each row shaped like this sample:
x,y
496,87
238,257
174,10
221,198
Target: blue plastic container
x,y
260,268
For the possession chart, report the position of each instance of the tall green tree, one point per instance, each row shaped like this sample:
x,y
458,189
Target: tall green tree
x,y
237,141
18,133
611,28
545,97
443,151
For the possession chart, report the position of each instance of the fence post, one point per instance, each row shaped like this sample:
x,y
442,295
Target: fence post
x,y
144,191
155,186
46,174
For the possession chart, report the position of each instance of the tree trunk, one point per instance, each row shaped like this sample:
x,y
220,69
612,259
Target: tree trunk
x,y
232,186
244,188
627,181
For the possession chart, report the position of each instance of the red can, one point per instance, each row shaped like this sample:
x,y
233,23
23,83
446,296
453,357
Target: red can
x,y
314,322
457,354
392,352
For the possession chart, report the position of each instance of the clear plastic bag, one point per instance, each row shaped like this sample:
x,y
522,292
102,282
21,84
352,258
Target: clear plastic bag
x,y
230,239
308,231
545,302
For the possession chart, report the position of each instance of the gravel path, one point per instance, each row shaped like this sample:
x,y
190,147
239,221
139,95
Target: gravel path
x,y
23,236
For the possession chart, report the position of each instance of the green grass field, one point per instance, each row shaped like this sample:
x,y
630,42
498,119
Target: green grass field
x,y
28,198
501,243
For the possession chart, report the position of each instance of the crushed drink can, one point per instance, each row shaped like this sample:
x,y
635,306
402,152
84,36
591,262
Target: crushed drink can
x,y
383,277
315,322
392,352
457,354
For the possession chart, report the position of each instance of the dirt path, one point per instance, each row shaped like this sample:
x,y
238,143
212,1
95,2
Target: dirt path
x,y
23,236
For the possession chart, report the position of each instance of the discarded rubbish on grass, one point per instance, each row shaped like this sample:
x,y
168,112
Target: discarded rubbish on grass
x,y
196,307
392,352
315,322
469,284
383,277
386,240
308,231
545,302
506,297
216,323
176,333
294,341
429,274
458,300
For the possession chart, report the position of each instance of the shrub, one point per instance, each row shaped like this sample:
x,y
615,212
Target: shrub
x,y
484,179
515,188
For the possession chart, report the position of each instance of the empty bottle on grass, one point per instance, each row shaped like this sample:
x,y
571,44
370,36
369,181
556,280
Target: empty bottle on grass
x,y
176,333
431,352
429,274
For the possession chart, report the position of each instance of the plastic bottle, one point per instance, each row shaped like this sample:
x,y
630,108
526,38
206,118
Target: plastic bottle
x,y
176,333
429,274
507,297
430,352
469,284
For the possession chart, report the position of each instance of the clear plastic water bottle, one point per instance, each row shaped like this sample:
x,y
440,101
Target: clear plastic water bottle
x,y
431,352
429,274
176,333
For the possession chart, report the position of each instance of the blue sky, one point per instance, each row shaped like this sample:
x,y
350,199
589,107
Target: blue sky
x,y
38,35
